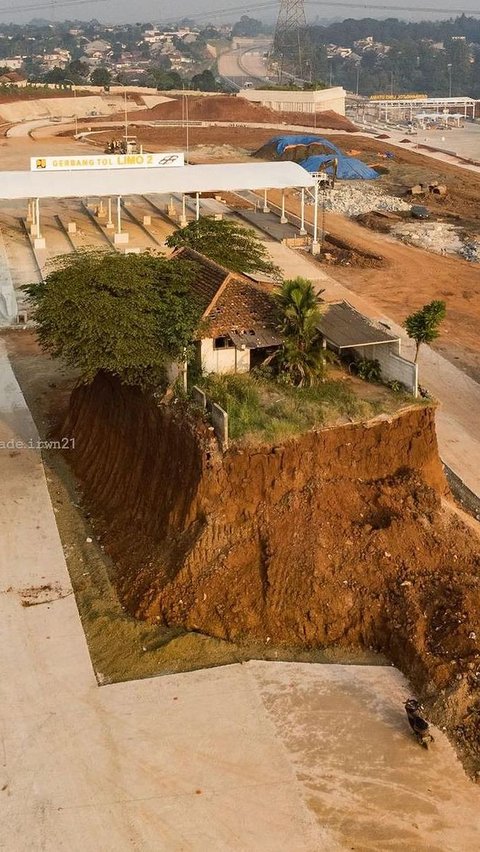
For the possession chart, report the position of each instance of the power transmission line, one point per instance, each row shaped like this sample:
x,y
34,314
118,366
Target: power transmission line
x,y
269,4
53,4
371,6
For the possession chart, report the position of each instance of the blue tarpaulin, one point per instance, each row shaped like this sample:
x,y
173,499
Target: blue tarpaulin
x,y
349,168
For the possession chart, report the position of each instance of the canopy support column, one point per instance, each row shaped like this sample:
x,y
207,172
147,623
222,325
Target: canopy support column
x,y
38,240
183,218
302,214
266,208
315,245
120,236
197,206
33,221
110,224
283,218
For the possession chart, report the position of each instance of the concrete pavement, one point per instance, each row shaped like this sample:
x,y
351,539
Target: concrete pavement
x,y
271,756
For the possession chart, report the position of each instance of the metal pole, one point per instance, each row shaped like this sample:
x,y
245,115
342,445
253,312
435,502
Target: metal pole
x,y
266,208
187,128
197,206
37,206
184,211
315,215
109,223
283,218
119,215
302,220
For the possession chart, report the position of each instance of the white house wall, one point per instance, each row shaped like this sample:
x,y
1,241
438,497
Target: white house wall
x,y
223,360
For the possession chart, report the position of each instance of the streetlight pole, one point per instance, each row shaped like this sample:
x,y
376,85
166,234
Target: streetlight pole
x,y
125,105
449,66
74,90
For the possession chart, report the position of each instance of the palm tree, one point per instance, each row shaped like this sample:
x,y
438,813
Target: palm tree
x,y
300,305
302,357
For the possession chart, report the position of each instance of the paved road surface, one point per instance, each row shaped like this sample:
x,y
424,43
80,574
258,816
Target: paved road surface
x,y
260,756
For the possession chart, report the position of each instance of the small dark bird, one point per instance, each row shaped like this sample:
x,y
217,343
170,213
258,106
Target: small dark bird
x,y
418,724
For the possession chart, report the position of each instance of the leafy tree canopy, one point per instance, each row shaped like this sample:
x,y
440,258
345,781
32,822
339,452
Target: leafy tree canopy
x,y
204,82
423,325
238,249
247,26
101,77
129,315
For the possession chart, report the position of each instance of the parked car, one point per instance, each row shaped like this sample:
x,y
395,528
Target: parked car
x,y
419,212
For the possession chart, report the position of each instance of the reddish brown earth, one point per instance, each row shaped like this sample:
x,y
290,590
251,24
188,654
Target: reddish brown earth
x,y
408,278
343,537
233,108
13,95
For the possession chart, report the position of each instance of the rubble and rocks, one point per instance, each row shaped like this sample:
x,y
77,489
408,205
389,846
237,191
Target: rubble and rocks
x,y
358,198
439,237
471,251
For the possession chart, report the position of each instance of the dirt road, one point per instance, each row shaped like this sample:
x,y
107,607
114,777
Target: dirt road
x,y
408,279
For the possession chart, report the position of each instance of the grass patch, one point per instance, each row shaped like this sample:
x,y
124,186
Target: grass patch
x,y
259,408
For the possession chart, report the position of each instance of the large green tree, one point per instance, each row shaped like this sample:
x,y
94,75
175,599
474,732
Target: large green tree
x,y
204,82
238,249
101,77
129,315
423,325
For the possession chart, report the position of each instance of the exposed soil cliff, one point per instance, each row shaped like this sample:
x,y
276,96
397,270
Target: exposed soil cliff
x,y
341,537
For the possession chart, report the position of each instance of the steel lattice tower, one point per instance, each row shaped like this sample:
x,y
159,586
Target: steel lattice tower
x,y
291,44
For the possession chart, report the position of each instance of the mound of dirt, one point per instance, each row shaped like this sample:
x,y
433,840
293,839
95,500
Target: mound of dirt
x,y
237,109
9,96
343,537
292,153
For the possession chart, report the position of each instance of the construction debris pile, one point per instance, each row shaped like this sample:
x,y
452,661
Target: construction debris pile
x,y
352,200
439,237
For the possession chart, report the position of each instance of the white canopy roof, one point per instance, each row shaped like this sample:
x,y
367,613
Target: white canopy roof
x,y
184,179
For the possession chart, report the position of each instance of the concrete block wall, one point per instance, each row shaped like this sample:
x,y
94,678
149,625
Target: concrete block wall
x,y
393,366
220,424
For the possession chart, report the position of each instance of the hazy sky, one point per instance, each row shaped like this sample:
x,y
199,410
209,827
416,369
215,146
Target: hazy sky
x,y
119,11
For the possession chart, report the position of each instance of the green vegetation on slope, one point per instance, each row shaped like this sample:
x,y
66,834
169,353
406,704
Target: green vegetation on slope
x,y
260,409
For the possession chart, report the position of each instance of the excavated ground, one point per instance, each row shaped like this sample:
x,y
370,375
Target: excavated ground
x,y
343,537
238,109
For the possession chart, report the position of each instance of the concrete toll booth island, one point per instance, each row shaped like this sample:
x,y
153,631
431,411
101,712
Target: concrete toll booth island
x,y
183,180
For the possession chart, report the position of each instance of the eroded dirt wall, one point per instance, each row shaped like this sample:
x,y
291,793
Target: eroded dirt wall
x,y
344,536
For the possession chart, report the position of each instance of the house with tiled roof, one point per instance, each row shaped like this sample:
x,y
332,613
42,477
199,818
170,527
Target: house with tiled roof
x,y
239,326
